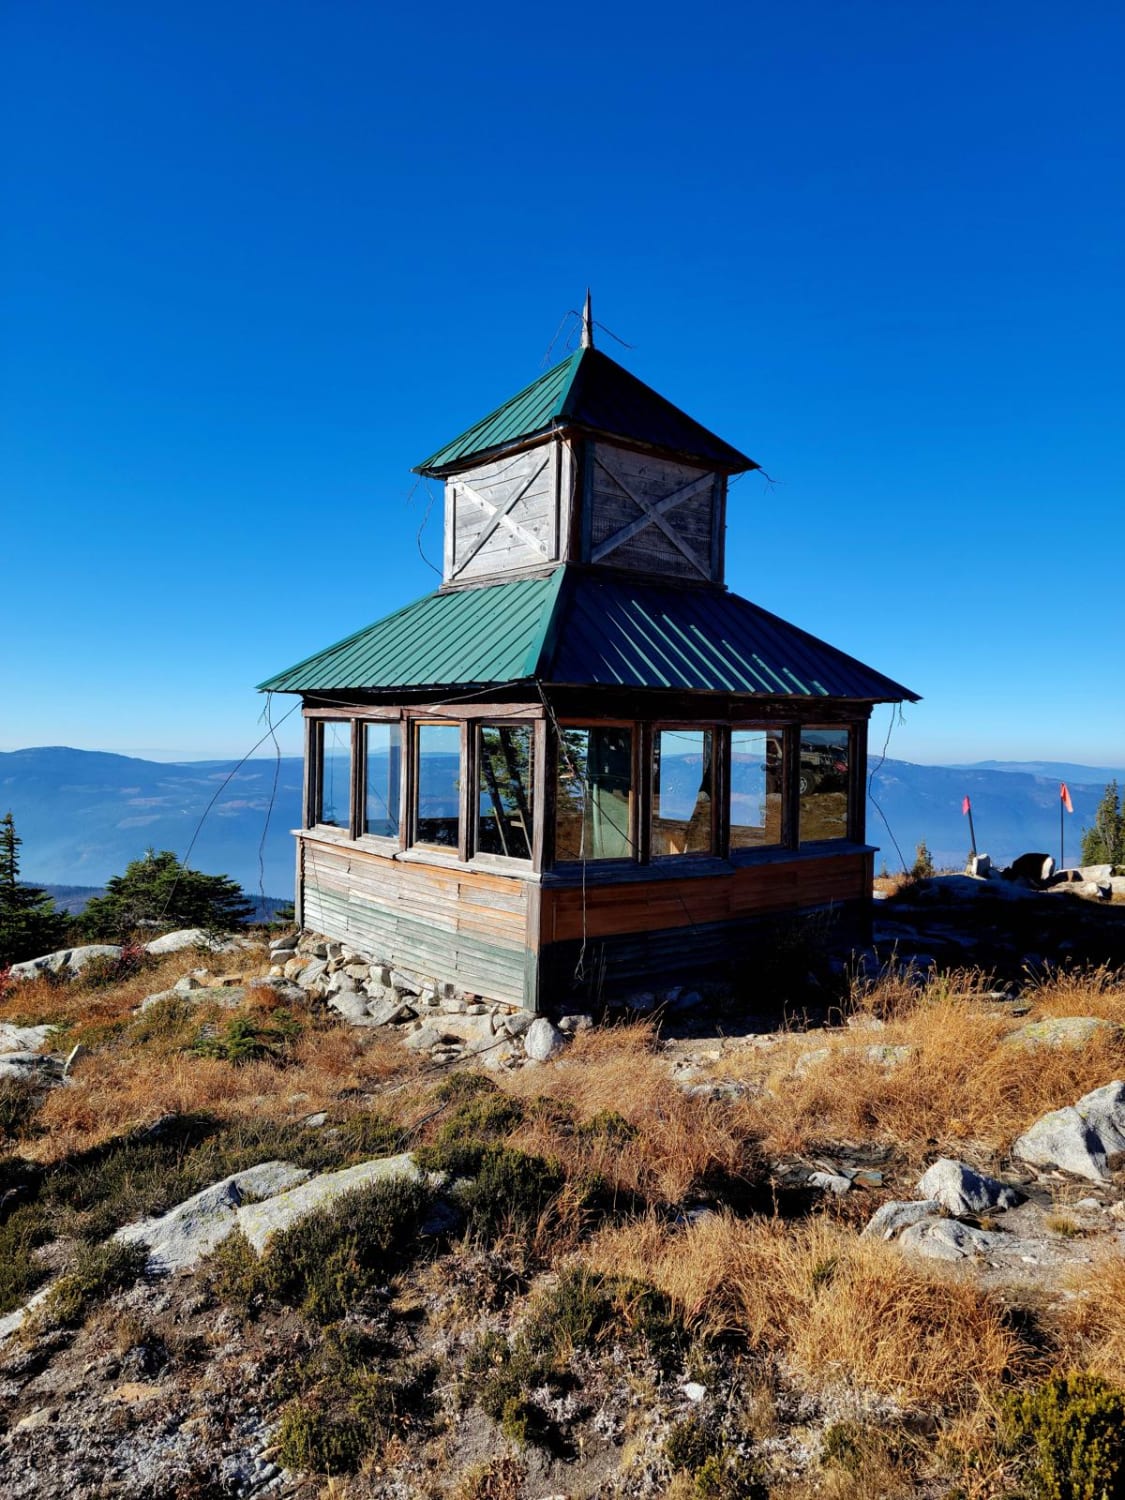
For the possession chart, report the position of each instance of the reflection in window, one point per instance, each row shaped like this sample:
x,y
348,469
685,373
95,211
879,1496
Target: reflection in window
x,y
383,757
756,766
823,782
594,799
504,790
438,785
335,779
681,791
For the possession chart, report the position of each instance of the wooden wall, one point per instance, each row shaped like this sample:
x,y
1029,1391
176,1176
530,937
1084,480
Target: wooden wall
x,y
651,515
504,516
464,927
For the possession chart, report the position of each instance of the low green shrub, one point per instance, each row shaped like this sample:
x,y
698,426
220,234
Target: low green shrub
x,y
337,1255
19,1099
608,1125
483,1118
509,1193
21,1272
246,1038
718,1471
346,1409
99,1271
1072,1428
106,969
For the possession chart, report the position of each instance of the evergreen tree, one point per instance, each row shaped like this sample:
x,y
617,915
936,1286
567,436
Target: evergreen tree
x,y
29,923
159,891
1104,843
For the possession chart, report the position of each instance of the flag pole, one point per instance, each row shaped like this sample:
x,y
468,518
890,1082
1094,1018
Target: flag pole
x,y
1062,834
972,832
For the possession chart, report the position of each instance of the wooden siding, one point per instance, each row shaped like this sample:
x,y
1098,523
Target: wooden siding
x,y
766,888
651,515
503,516
460,926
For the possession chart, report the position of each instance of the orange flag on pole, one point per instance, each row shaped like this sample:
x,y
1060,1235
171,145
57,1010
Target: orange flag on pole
x,y
1064,794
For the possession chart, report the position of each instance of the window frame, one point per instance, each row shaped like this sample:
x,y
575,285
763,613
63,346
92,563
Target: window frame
x,y
640,733
853,830
747,854
314,789
415,725
506,861
383,843
719,787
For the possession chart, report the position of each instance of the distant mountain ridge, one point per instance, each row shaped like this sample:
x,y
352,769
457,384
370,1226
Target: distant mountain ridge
x,y
1065,770
84,814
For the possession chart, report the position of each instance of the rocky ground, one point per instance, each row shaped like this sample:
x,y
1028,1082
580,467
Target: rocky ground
x,y
283,1222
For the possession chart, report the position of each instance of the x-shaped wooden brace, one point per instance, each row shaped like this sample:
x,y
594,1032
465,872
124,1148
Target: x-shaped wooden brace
x,y
652,514
500,515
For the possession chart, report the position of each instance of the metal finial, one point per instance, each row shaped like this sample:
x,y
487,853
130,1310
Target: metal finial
x,y
587,324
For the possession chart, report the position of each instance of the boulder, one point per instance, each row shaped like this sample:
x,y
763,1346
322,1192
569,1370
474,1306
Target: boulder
x,y
1096,873
23,1064
176,942
518,1023
831,1182
1063,1031
570,1024
259,1222
352,1006
22,1038
310,973
890,1220
1080,1137
542,1041
386,1012
979,867
946,1239
64,961
1037,868
961,1190
179,1239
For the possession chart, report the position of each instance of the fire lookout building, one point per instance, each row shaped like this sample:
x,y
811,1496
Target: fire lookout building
x,y
582,763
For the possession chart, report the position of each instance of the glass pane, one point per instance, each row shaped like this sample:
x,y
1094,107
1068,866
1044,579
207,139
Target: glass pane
x,y
823,782
335,773
383,746
504,791
439,785
755,787
681,791
594,805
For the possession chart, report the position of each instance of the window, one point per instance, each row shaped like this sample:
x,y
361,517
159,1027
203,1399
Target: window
x,y
437,785
682,807
594,794
822,780
504,789
332,802
382,749
756,781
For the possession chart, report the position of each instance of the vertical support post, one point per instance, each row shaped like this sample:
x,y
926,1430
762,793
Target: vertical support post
x,y
720,789
857,783
359,780
791,786
466,837
643,781
542,796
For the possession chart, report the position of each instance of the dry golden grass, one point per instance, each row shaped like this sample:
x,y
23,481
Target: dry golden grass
x,y
1081,992
118,1089
79,1003
679,1143
962,1089
1092,1323
840,1310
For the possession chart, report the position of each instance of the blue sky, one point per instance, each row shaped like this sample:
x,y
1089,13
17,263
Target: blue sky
x,y
258,260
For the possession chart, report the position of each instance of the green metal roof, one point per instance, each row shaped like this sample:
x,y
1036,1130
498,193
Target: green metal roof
x,y
577,627
593,391
474,636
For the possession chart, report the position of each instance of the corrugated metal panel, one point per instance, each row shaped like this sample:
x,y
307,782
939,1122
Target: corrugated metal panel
x,y
590,390
616,633
532,410
574,627
474,636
